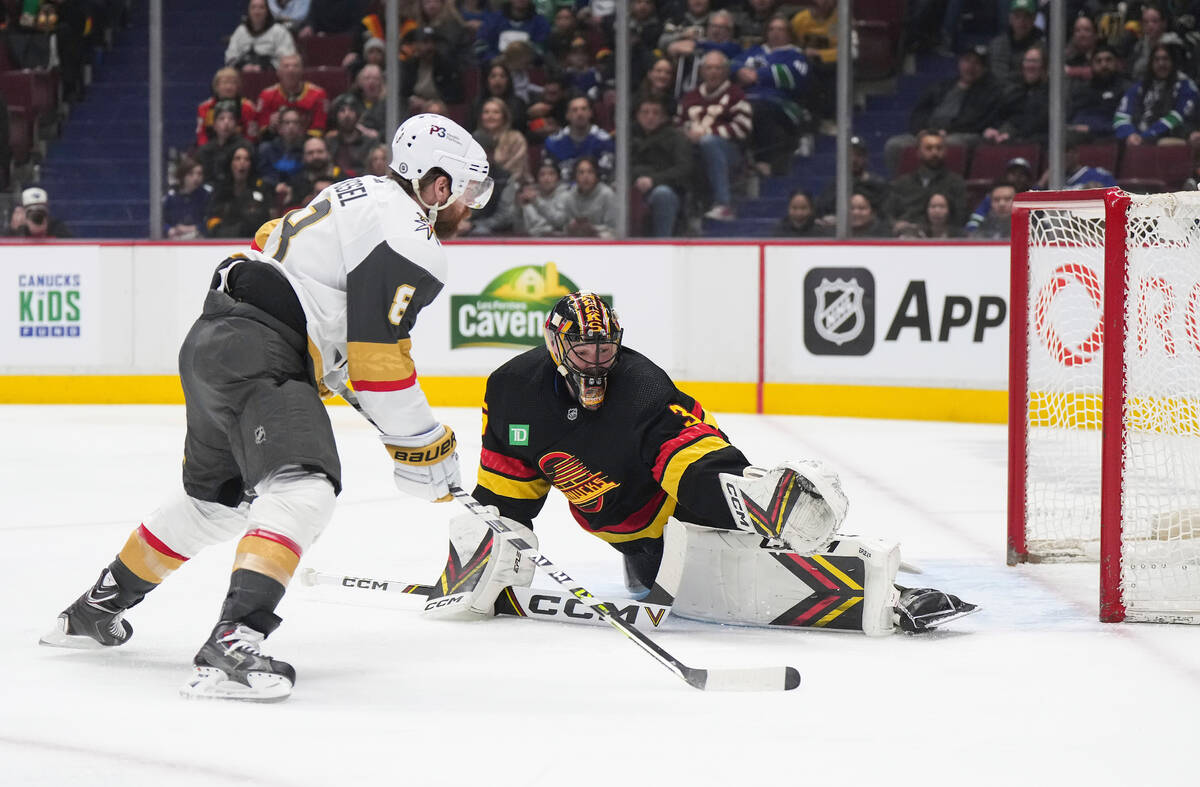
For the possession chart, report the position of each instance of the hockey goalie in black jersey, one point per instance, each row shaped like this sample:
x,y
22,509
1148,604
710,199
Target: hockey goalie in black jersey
x,y
635,456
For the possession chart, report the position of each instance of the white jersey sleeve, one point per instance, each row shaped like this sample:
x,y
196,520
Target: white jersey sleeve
x,y
364,261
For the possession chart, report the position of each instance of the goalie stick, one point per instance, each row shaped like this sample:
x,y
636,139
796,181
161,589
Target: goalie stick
x,y
717,679
523,602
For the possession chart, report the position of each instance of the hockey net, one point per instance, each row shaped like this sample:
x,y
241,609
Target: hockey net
x,y
1104,411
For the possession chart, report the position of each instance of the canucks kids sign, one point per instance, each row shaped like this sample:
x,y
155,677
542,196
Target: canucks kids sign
x,y
49,306
510,310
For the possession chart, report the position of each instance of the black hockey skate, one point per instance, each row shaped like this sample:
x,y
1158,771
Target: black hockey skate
x,y
231,666
94,620
923,609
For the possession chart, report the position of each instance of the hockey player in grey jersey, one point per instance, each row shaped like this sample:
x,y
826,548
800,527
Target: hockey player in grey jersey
x,y
327,296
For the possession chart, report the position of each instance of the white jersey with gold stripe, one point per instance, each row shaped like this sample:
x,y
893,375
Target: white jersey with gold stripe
x,y
364,260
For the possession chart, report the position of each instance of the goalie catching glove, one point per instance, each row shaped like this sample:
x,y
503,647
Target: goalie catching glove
x,y
799,502
426,464
481,564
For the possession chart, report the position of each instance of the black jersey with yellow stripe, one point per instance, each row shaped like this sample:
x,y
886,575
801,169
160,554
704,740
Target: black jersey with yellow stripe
x,y
648,453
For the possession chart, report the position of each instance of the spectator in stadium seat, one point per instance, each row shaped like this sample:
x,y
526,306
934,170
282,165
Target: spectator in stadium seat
x,y
1007,49
292,14
591,205
318,166
645,28
32,219
815,31
1160,108
862,180
543,204
431,72
548,114
718,37
1078,55
583,77
292,90
800,220
374,53
282,157
937,224
447,22
371,91
717,119
659,84
378,160
519,56
1018,173
864,221
684,27
998,224
1093,103
516,21
1080,175
1025,113
259,41
752,21
564,30
660,165
498,83
775,78
506,148
960,107
185,204
349,141
239,204
581,137
334,16
226,86
214,155
909,193
1153,29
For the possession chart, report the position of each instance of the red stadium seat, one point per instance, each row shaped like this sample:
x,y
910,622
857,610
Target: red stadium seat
x,y
335,80
956,159
1099,154
325,50
990,161
36,90
1152,168
255,82
20,134
891,12
878,50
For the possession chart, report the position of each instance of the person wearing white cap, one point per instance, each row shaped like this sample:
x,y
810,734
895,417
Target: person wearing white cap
x,y
32,219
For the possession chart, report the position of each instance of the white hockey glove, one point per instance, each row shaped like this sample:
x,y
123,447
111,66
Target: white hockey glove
x,y
799,502
481,564
426,464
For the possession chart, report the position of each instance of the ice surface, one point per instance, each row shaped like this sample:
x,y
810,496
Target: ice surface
x,y
1032,690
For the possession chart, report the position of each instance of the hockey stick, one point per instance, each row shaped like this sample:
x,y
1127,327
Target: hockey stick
x,y
521,602
719,679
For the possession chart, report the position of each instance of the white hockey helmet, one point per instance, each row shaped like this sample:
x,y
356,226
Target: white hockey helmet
x,y
428,141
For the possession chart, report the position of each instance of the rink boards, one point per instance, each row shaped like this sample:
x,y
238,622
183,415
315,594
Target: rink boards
x,y
866,329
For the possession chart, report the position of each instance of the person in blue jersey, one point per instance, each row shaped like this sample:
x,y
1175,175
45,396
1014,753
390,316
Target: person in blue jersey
x,y
775,76
1161,106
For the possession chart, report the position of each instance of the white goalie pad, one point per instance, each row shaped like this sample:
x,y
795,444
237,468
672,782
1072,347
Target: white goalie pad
x,y
729,577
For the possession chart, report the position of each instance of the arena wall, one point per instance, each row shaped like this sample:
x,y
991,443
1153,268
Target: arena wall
x,y
891,330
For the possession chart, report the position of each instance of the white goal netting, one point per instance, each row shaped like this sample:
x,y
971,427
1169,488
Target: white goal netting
x,y
1160,438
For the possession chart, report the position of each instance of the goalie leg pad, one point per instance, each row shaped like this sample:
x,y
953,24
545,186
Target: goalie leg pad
x,y
729,577
480,565
798,502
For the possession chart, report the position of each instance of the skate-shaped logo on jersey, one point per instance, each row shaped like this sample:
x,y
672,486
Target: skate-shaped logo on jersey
x,y
583,489
839,310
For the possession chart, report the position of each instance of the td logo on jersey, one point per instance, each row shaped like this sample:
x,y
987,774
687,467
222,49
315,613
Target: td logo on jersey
x,y
839,311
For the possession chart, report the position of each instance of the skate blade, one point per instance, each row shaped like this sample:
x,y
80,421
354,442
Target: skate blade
x,y
59,638
210,683
962,612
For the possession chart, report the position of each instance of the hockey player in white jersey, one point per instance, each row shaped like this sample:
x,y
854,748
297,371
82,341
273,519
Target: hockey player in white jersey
x,y
325,301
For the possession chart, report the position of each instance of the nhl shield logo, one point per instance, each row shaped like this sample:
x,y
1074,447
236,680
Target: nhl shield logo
x,y
839,311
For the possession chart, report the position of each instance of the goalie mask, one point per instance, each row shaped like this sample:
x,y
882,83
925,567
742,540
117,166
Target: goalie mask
x,y
583,337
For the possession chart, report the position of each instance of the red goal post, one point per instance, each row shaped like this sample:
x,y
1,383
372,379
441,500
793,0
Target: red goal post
x,y
1104,394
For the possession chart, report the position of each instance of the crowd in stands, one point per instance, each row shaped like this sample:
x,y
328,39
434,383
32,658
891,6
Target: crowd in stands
x,y
725,94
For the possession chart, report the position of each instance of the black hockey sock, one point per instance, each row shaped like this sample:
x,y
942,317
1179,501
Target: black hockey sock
x,y
131,588
252,599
